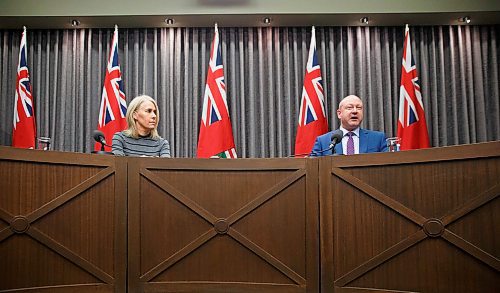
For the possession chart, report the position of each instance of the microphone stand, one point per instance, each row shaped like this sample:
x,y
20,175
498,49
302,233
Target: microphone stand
x,y
336,138
103,150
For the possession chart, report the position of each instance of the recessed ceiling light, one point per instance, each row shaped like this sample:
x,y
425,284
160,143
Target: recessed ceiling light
x,y
465,19
75,22
364,20
169,21
266,20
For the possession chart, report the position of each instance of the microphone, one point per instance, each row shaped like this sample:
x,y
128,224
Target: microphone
x,y
336,138
99,137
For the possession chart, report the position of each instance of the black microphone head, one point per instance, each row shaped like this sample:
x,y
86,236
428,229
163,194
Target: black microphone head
x,y
337,136
99,136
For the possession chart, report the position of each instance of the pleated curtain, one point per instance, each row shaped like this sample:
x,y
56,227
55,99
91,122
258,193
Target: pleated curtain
x,y
264,68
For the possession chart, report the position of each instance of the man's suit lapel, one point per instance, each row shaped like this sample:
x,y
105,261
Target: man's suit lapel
x,y
363,141
338,148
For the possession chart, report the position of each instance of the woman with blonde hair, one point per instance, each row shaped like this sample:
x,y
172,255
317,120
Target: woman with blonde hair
x,y
141,137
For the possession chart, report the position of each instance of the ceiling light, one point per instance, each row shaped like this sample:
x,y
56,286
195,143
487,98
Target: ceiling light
x,y
169,21
364,20
75,22
465,19
266,20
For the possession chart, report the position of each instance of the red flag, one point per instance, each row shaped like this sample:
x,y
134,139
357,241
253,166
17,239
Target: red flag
x,y
312,116
412,128
113,104
24,128
216,133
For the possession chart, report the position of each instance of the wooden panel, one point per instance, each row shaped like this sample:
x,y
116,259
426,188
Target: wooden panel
x,y
223,225
415,221
63,222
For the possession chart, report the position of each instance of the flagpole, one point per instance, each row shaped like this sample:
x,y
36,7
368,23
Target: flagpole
x,y
312,115
33,99
413,131
24,124
113,98
215,140
313,36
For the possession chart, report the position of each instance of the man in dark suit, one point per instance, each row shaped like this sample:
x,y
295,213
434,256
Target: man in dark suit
x,y
355,140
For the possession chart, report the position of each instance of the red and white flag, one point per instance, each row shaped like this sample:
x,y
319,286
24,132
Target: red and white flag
x,y
216,133
24,127
113,110
412,127
312,116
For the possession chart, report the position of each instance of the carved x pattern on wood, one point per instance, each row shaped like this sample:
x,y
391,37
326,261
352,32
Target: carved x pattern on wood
x,y
223,225
19,224
431,227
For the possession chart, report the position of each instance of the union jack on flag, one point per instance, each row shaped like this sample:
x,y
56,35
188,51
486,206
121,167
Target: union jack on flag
x,y
412,127
312,115
216,133
113,110
24,126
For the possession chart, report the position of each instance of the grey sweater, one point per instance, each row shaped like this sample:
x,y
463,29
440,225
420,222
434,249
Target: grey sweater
x,y
143,146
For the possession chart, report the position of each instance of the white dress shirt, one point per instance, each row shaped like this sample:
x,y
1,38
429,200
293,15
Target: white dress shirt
x,y
355,137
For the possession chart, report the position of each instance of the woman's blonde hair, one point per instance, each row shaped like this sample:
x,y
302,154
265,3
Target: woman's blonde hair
x,y
134,105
